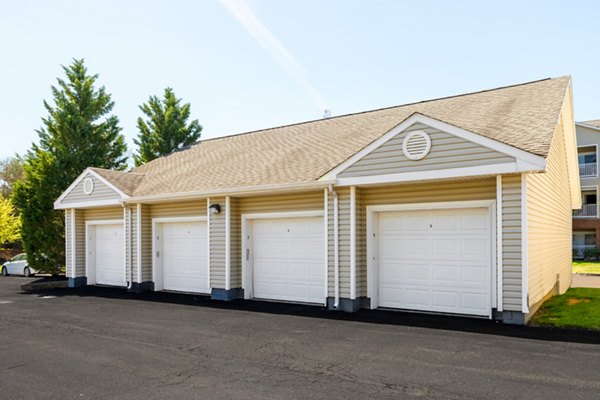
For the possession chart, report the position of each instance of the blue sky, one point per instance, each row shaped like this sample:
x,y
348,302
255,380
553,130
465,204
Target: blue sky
x,y
263,63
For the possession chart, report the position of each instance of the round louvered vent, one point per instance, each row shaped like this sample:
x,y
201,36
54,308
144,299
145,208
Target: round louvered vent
x,y
88,186
416,145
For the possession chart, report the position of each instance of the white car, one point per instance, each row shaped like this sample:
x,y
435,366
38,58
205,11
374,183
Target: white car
x,y
18,266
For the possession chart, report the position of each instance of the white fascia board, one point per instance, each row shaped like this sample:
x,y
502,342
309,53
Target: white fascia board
x,y
89,204
492,169
58,203
234,192
522,156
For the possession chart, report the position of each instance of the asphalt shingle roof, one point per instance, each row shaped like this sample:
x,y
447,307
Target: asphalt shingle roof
x,y
523,116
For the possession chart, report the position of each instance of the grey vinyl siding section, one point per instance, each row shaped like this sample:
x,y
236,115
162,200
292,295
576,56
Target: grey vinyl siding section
x,y
146,243
235,244
447,151
511,243
80,256
100,192
587,137
343,195
69,261
217,244
467,190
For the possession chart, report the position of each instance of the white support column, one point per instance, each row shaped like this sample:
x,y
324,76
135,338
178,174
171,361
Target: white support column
x,y
499,250
227,243
139,242
73,244
524,255
353,242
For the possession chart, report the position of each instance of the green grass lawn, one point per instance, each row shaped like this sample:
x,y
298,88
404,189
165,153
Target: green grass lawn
x,y
586,267
577,308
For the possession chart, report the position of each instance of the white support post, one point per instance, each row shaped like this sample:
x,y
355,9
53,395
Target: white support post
x,y
353,242
499,250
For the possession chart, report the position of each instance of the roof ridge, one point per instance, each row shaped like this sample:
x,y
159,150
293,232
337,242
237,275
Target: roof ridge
x,y
365,112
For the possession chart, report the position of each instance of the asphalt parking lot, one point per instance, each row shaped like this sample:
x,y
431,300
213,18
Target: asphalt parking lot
x,y
99,343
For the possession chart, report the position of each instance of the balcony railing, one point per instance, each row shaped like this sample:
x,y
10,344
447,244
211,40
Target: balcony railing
x,y
579,249
587,210
589,169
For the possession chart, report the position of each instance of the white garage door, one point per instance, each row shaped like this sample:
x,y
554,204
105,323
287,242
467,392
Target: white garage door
x,y
184,257
109,255
288,259
436,260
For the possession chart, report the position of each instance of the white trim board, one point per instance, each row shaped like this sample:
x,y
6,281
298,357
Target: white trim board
x,y
416,176
59,206
371,218
525,161
524,248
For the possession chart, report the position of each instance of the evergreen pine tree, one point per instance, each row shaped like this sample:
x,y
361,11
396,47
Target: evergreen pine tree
x,y
77,133
165,129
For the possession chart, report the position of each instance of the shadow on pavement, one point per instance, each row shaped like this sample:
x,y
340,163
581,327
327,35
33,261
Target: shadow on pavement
x,y
399,318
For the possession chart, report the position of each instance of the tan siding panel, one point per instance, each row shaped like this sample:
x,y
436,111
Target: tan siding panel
x,y
217,245
235,232
146,244
195,208
343,242
94,214
101,192
549,225
447,151
80,255
282,203
511,242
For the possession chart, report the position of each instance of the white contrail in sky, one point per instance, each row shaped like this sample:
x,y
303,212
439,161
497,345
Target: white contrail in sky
x,y
244,14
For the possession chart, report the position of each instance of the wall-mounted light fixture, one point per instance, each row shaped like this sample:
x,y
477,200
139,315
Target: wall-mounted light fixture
x,y
214,208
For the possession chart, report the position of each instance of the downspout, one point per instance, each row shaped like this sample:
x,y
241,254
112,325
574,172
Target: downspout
x,y
336,248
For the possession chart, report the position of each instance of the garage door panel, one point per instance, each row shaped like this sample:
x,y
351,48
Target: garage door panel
x,y
109,255
288,256
445,267
184,256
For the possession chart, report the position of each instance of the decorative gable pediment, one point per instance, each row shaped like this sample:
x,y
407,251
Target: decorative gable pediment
x,y
425,148
89,190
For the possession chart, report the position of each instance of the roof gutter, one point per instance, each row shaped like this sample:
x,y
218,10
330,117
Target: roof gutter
x,y
239,191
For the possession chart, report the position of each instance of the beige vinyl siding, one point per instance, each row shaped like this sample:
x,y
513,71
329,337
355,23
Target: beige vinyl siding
x,y
101,192
146,243
217,244
343,242
235,245
511,243
69,261
361,245
549,224
192,208
96,214
80,258
447,151
465,190
131,245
